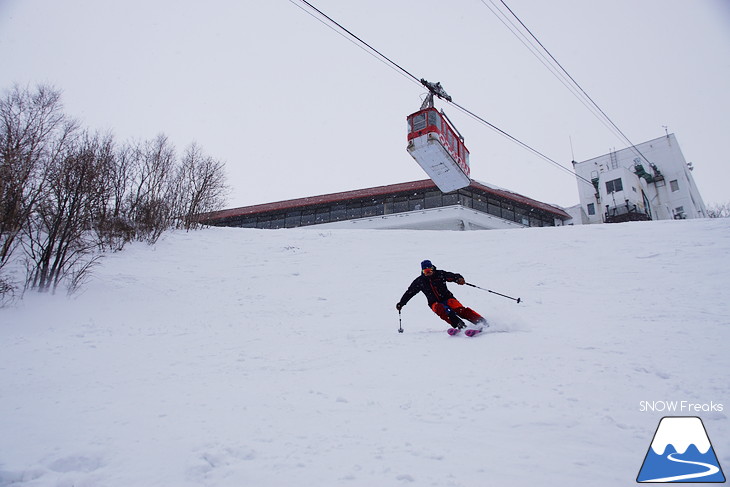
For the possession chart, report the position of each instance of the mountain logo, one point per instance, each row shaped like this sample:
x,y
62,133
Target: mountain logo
x,y
681,452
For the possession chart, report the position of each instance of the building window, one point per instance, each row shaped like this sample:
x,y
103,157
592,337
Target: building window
x,y
521,216
370,208
433,199
354,210
293,219
508,212
415,203
451,199
278,221
400,204
322,215
674,185
591,208
308,217
339,212
614,186
480,203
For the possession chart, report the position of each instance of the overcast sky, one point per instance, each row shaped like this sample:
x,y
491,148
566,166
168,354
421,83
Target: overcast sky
x,y
295,109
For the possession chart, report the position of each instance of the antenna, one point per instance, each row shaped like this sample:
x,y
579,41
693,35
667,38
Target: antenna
x,y
572,153
666,130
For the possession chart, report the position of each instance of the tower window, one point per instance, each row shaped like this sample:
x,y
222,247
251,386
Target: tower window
x,y
614,186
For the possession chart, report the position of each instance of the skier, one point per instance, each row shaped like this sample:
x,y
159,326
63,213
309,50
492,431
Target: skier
x,y
432,282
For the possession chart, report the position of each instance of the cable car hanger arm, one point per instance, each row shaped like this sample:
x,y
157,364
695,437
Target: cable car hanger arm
x,y
433,89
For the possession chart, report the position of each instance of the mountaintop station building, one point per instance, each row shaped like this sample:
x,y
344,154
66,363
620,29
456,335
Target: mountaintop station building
x,y
648,181
415,205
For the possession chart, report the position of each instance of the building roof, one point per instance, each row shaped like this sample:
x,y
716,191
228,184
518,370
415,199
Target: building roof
x,y
390,189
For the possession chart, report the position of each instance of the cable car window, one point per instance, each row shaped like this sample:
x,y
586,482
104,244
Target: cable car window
x,y
434,119
419,122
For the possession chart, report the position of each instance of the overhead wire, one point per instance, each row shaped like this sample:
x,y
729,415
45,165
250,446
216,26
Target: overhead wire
x,y
539,54
560,72
373,51
362,44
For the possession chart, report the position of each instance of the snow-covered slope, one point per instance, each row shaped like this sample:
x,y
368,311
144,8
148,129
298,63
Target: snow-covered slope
x,y
231,357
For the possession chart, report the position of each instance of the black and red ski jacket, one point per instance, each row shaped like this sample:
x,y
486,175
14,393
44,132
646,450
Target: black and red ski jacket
x,y
433,286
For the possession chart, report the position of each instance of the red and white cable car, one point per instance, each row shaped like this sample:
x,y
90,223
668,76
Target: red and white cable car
x,y
436,145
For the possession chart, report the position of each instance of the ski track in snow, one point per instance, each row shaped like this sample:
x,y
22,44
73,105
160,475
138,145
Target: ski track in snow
x,y
230,357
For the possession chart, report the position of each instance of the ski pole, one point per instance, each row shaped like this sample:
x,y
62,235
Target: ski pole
x,y
494,292
400,323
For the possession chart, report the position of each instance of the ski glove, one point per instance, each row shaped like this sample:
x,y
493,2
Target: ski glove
x,y
398,306
460,281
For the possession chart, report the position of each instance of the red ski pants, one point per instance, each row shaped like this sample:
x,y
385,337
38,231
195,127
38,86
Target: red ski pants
x,y
458,308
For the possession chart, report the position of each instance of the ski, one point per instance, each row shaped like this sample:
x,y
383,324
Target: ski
x,y
453,331
472,332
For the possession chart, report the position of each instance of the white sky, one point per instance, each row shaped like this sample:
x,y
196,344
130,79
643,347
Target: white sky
x,y
295,109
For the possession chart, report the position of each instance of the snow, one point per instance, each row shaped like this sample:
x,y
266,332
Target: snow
x,y
688,430
231,357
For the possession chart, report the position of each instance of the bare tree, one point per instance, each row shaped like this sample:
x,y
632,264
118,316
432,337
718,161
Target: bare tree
x,y
152,190
60,243
67,195
110,213
201,186
33,129
719,210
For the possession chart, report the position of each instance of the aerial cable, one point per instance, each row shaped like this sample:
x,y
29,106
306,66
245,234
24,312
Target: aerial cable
x,y
358,39
540,56
518,142
596,109
351,38
421,81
